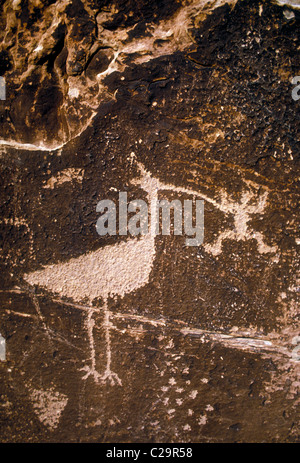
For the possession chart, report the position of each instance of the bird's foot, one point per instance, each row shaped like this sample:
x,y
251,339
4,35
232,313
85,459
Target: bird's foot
x,y
111,377
108,376
91,372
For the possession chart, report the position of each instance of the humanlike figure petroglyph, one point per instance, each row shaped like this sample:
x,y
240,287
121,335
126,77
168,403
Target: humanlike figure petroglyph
x,y
241,213
120,269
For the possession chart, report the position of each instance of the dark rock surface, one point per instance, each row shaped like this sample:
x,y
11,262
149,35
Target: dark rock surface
x,y
201,343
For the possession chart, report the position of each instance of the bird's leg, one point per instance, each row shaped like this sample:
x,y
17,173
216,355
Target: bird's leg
x,y
91,370
113,378
108,375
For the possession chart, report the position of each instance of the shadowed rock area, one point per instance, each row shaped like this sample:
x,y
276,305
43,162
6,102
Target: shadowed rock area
x,y
145,339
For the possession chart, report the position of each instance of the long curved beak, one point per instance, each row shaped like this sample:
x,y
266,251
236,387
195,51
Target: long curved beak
x,y
148,182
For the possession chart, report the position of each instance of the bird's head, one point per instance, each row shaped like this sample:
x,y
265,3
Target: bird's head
x,y
152,184
145,180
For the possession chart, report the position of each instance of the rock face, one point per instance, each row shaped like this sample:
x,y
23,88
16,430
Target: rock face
x,y
145,339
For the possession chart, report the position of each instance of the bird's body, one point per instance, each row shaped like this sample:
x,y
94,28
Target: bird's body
x,y
114,270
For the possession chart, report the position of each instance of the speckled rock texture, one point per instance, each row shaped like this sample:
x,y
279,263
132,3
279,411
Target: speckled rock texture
x,y
144,339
